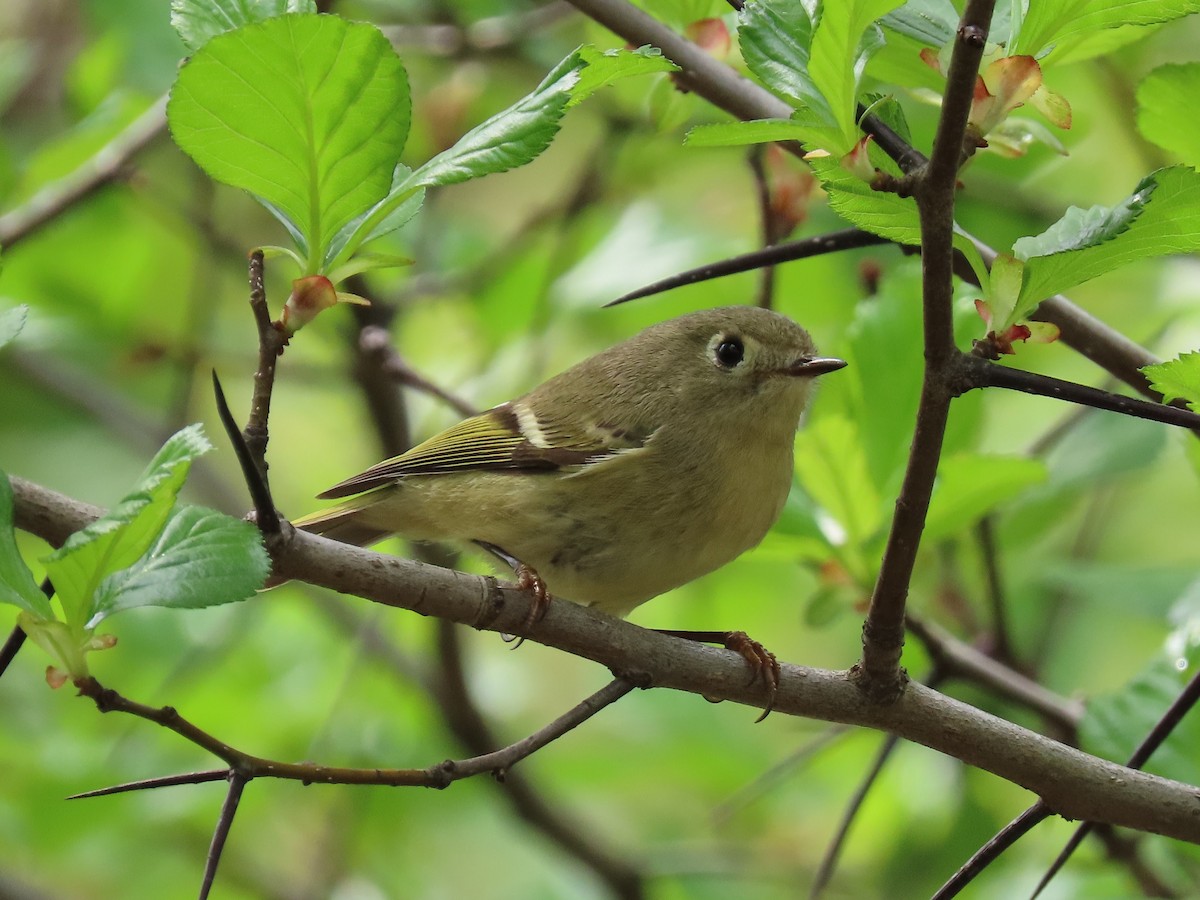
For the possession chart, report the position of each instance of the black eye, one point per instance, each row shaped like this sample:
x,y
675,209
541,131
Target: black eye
x,y
730,351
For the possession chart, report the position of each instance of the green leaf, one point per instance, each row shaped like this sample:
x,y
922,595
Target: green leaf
x,y
390,214
201,558
833,470
16,581
199,20
309,113
511,138
1115,723
970,486
883,380
735,134
775,39
12,323
119,538
1162,216
931,22
879,212
844,40
1178,378
1050,22
1165,99
605,67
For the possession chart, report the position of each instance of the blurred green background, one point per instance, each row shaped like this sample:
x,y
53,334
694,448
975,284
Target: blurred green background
x,y
138,291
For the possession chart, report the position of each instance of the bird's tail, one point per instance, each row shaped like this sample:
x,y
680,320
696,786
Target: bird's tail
x,y
346,522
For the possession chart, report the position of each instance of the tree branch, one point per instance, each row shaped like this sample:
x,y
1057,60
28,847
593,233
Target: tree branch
x,y
933,188
106,165
1074,784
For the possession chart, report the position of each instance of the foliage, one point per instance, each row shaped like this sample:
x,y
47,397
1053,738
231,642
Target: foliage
x,y
145,552
373,157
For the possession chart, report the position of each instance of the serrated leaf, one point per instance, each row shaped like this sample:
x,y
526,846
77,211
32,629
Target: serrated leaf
x,y
1161,97
970,486
832,468
775,40
119,538
736,134
1081,228
605,67
931,22
509,139
1050,22
1178,378
12,322
1161,217
879,212
197,21
844,39
16,581
201,558
309,113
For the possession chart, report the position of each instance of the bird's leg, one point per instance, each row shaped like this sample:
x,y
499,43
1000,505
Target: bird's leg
x,y
763,663
529,581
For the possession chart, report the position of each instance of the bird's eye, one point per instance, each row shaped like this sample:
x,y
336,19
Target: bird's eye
x,y
729,351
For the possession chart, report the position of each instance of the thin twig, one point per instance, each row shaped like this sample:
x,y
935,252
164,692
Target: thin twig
x,y
986,374
780,770
817,245
1001,642
260,495
440,775
1162,729
1009,835
833,851
237,784
104,166
271,342
933,187
374,342
960,660
149,784
766,219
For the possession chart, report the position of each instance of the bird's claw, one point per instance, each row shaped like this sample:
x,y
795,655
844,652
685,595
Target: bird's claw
x,y
763,664
530,581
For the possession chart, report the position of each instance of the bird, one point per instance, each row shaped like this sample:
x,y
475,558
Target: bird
x,y
633,472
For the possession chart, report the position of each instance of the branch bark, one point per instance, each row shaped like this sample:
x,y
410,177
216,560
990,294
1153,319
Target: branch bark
x,y
1074,784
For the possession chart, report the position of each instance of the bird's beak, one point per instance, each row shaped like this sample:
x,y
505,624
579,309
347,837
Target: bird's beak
x,y
816,365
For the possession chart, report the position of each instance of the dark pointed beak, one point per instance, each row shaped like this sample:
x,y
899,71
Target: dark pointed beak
x,y
814,366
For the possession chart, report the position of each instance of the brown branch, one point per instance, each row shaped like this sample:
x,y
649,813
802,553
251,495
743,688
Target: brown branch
x,y
440,775
817,245
375,343
985,374
237,784
933,187
959,660
834,850
106,165
1074,784
1002,648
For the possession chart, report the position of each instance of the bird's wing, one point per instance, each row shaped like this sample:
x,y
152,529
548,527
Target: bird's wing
x,y
509,438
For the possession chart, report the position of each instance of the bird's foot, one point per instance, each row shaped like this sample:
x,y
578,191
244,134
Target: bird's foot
x,y
763,664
